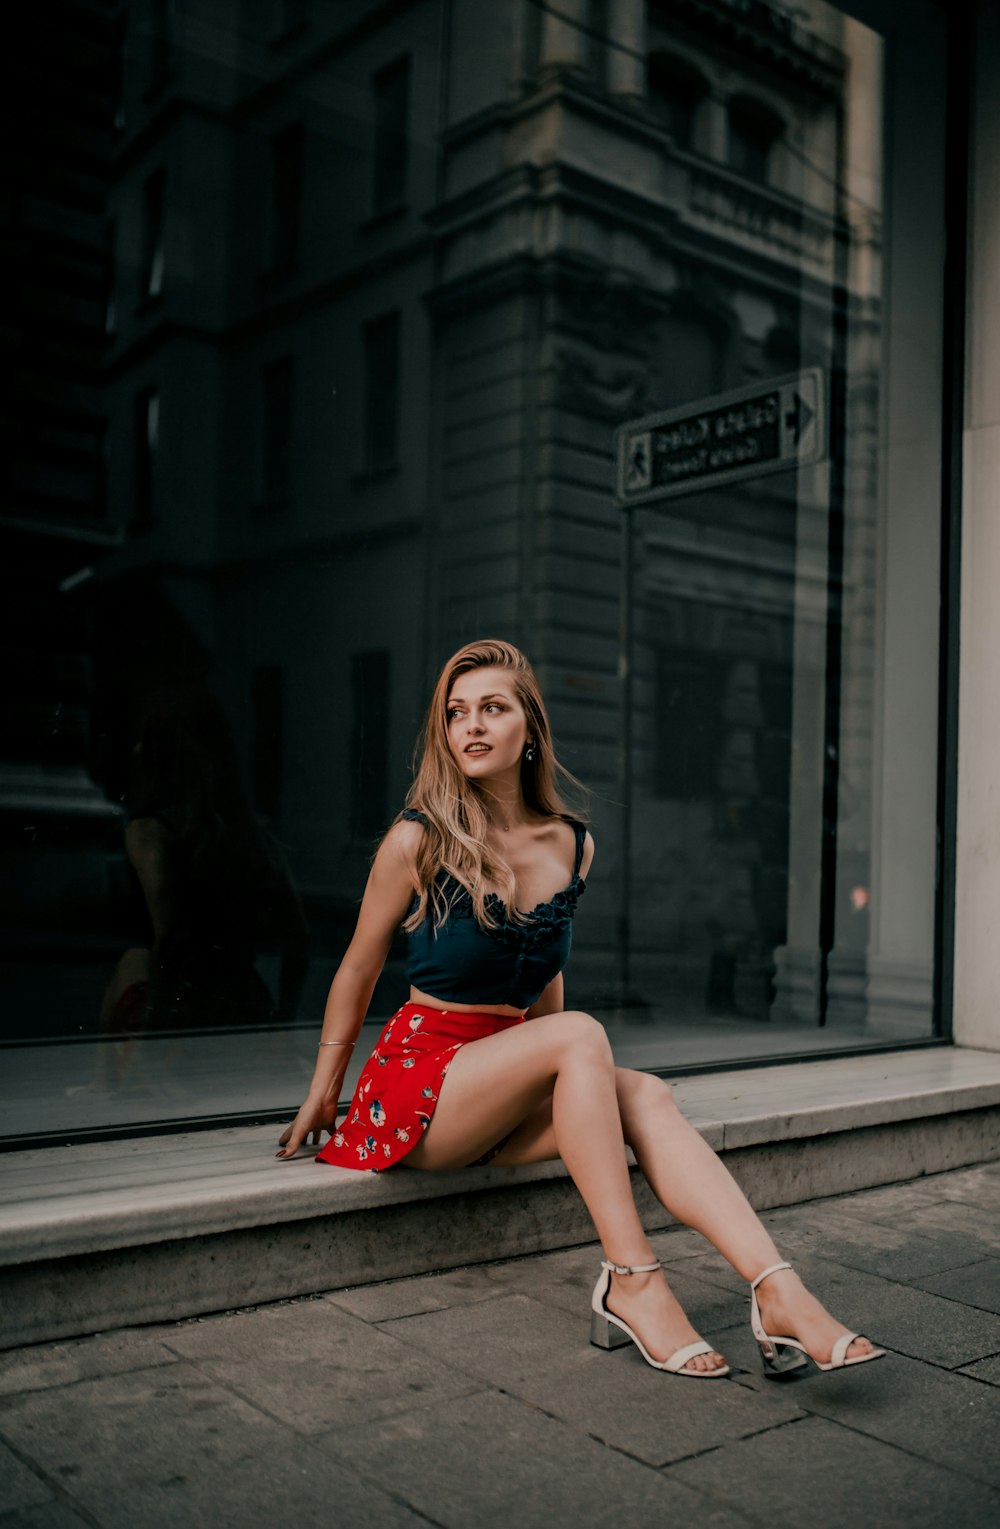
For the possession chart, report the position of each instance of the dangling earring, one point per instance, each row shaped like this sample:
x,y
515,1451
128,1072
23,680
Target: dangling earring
x,y
529,752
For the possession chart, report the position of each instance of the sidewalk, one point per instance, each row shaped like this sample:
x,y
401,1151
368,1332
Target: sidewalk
x,y
473,1400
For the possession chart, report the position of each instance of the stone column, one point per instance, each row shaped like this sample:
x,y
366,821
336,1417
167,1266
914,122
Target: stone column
x,y
797,961
711,129
627,49
565,40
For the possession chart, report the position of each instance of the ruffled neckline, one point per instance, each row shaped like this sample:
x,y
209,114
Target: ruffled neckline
x,y
565,897
541,923
544,919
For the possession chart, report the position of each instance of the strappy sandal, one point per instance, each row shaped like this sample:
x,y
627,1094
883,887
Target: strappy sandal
x,y
608,1331
787,1356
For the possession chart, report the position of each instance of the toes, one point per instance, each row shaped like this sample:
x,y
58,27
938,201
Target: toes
x,y
703,1362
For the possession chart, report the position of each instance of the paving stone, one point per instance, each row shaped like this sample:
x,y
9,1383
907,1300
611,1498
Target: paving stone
x,y
902,1317
965,1220
675,1243
316,1367
20,1487
494,1462
903,1402
976,1284
403,1297
564,1280
979,1186
545,1357
501,1342
852,1237
987,1370
567,1282
50,1515
61,1364
169,1449
818,1473
712,1269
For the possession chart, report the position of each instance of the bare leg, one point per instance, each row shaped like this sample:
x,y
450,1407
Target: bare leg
x,y
114,1060
133,966
694,1185
496,1083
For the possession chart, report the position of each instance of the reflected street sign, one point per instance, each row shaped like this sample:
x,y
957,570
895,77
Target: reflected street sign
x,y
765,427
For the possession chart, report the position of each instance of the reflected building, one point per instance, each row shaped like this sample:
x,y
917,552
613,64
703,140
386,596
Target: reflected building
x,y
386,282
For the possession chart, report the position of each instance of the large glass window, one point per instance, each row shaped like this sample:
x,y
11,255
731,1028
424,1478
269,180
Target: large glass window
x,y
638,363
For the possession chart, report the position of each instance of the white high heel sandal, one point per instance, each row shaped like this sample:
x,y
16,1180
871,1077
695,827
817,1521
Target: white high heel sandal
x,y
785,1356
610,1332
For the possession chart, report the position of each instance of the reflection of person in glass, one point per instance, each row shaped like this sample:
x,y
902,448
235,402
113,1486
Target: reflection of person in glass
x,y
484,870
215,885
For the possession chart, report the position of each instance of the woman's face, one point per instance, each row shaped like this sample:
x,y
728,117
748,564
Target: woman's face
x,y
487,727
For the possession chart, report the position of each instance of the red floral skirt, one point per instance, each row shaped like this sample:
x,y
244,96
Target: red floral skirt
x,y
398,1089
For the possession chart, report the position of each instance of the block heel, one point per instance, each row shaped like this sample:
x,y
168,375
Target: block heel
x,y
785,1356
608,1331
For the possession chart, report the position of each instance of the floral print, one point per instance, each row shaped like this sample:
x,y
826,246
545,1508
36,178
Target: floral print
x,y
399,1086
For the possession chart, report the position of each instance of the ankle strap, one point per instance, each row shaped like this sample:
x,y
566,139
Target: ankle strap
x,y
772,1270
630,1268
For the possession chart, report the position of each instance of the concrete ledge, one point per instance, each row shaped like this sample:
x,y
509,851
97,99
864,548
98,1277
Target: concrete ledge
x,y
119,1233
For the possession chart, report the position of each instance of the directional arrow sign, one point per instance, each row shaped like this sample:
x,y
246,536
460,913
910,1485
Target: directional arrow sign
x,y
765,427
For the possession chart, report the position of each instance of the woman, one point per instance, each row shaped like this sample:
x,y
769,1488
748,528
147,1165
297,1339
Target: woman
x,y
484,870
215,885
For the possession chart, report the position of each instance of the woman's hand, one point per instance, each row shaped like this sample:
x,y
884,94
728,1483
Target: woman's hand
x,y
318,1114
388,895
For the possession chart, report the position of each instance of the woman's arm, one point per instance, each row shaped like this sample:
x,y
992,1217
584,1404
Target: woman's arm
x,y
387,898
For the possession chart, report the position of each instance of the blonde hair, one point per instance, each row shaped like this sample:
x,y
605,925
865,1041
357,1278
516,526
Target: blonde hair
x,y
454,808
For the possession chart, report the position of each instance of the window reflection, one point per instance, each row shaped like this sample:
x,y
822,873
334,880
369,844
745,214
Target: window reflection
x,y
151,270
286,197
325,327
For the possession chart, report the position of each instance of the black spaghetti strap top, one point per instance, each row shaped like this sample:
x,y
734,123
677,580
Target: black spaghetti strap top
x,y
461,962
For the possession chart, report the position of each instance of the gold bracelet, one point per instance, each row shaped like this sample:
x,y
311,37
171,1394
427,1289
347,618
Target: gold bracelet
x,y
338,1043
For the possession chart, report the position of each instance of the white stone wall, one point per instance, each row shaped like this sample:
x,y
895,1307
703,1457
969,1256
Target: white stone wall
x,y
977,893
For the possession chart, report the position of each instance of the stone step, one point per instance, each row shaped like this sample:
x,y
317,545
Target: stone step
x,y
157,1228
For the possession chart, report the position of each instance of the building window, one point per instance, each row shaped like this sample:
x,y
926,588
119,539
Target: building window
x,y
676,90
753,131
153,220
286,197
369,742
276,473
382,392
268,743
392,106
145,448
287,16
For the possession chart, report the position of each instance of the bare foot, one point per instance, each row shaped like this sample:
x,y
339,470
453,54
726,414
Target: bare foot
x,y
789,1310
649,1306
